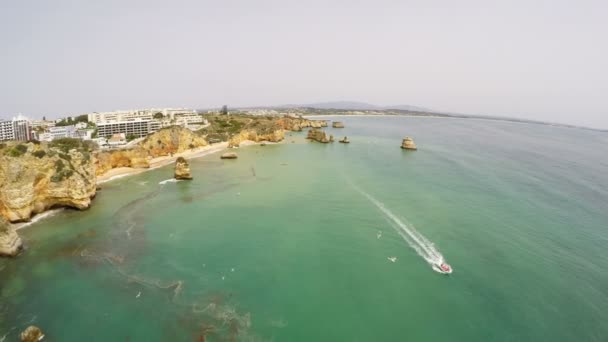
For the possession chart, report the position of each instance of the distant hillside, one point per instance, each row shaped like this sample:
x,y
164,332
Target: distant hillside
x,y
353,105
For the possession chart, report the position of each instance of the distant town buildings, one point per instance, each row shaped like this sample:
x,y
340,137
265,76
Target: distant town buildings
x,y
127,124
142,122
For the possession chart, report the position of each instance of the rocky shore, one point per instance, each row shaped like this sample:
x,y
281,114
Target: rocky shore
x,y
35,177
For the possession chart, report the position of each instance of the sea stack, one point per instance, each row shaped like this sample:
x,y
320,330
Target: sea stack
x,y
10,242
344,140
408,144
318,135
229,155
337,124
182,169
32,334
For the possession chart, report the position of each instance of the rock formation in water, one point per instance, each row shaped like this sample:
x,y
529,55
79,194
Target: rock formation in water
x,y
171,140
32,334
408,144
229,155
337,124
10,242
182,169
331,138
318,135
344,140
37,176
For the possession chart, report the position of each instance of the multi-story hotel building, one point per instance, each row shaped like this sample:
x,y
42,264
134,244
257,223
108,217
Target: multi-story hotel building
x,y
138,128
16,129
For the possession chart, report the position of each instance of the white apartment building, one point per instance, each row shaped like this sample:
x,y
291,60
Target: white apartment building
x,y
16,129
138,128
63,132
42,123
120,115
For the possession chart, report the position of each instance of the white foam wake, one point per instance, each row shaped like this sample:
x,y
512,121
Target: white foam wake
x,y
425,248
170,180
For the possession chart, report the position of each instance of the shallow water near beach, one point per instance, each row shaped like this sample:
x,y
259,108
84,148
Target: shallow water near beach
x,y
289,243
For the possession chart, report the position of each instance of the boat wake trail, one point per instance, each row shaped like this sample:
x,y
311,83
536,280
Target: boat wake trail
x,y
425,248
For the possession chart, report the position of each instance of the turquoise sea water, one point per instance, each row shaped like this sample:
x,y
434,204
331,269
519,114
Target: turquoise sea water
x,y
283,245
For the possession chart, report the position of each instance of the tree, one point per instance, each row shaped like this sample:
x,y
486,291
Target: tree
x,y
158,115
224,110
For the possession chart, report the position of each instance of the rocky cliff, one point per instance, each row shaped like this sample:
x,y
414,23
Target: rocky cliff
x,y
165,142
297,124
274,134
107,160
171,140
36,177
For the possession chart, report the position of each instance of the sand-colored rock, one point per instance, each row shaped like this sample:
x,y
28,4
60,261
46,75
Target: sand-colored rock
x,y
182,169
408,144
107,160
344,140
318,135
10,242
337,124
229,155
45,177
32,334
273,134
171,140
297,124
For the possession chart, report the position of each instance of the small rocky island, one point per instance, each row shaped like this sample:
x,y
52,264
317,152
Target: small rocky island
x,y
32,334
10,242
229,155
182,169
337,124
319,136
408,144
344,140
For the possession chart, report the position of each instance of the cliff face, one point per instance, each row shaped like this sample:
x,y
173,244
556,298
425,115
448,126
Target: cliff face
x,y
107,160
296,124
10,243
171,140
272,135
40,176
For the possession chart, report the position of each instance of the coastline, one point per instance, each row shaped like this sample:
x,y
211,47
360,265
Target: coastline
x,y
157,162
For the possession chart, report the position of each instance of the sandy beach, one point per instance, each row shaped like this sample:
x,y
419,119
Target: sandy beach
x,y
160,162
166,160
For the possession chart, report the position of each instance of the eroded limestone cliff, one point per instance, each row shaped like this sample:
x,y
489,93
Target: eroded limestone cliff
x,y
36,177
172,140
107,160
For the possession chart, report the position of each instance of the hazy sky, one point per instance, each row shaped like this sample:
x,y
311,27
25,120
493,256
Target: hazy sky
x,y
544,60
